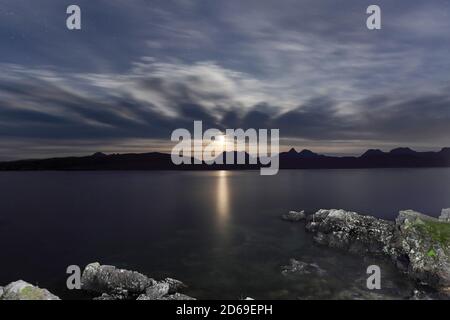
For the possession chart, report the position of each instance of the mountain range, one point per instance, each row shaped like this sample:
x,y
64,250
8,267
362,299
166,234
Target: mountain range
x,y
305,159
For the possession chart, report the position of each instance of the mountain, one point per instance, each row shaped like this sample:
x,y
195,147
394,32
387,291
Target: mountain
x,y
308,154
372,153
402,151
305,159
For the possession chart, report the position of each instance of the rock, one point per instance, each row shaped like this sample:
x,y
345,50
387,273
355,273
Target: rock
x,y
445,215
106,296
351,231
143,297
157,291
109,279
293,216
174,285
177,296
1,292
302,268
418,244
425,243
420,295
21,290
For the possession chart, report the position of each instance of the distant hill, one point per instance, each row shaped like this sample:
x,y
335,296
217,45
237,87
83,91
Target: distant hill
x,y
396,158
305,159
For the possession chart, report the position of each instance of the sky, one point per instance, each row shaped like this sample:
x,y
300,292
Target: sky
x,y
139,69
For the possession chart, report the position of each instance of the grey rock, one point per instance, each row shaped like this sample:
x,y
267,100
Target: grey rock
x,y
293,216
177,296
21,290
302,268
106,296
1,292
157,291
421,241
143,297
420,295
351,231
109,279
174,285
445,215
160,292
418,244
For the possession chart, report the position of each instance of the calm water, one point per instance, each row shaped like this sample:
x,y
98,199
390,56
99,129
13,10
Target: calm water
x,y
219,232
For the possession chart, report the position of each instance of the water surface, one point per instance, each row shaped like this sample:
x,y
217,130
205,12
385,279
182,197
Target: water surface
x,y
219,232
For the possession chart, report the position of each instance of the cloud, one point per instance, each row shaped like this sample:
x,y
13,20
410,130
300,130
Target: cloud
x,y
140,69
154,98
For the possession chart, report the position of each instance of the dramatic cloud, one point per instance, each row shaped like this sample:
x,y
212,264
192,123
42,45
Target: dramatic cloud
x,y
140,69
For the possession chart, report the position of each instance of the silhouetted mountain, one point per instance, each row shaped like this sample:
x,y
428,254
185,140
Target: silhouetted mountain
x,y
292,152
402,151
308,154
99,154
372,153
306,159
445,151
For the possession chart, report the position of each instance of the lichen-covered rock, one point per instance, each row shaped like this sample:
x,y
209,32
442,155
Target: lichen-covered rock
x,y
425,242
21,290
418,244
109,279
351,231
445,215
293,216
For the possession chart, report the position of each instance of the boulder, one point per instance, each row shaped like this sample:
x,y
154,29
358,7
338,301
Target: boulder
x,y
157,291
425,243
1,292
445,215
293,216
418,244
21,290
174,285
109,279
351,231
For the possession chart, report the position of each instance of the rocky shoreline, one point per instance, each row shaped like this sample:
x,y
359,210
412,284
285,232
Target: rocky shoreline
x,y
418,245
108,283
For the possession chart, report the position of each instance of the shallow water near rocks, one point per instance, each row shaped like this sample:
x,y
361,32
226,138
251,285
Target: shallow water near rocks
x,y
219,232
